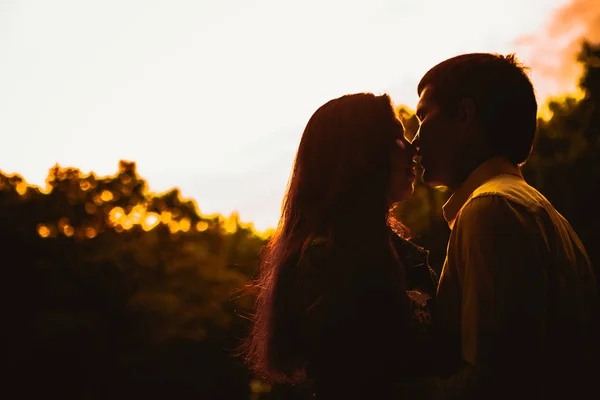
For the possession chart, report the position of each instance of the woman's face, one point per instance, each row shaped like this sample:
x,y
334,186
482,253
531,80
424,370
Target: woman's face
x,y
403,169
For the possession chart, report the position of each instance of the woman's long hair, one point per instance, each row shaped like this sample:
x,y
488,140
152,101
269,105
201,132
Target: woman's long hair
x,y
339,189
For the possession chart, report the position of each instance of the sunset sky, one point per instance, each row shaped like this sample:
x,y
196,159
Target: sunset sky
x,y
211,96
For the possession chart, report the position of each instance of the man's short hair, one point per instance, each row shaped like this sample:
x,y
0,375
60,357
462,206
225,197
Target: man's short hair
x,y
502,93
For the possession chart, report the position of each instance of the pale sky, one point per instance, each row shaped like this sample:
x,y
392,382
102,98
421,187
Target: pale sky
x,y
211,96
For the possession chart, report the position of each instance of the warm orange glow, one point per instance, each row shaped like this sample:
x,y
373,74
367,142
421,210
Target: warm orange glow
x,y
65,227
185,224
137,213
127,223
165,217
116,214
544,111
43,230
85,185
106,196
21,188
231,223
150,221
176,218
68,230
202,226
174,226
90,232
264,234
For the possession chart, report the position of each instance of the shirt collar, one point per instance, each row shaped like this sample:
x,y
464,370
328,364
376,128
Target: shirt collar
x,y
484,172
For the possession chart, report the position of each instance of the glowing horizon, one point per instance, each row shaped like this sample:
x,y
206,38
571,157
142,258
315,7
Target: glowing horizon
x,y
211,97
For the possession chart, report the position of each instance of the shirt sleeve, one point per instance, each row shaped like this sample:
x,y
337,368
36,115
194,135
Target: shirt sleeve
x,y
498,252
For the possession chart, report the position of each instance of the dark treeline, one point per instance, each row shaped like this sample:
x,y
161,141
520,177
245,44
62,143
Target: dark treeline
x,y
113,292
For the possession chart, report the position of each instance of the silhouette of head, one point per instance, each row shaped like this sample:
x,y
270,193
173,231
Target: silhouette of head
x,y
352,159
473,107
352,163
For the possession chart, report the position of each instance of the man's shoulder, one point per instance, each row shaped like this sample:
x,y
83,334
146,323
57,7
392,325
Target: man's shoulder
x,y
513,189
503,200
490,210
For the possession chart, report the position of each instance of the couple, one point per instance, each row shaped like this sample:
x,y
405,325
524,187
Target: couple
x,y
347,304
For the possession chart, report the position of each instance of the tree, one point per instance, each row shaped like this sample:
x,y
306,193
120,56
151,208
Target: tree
x,y
565,163
114,284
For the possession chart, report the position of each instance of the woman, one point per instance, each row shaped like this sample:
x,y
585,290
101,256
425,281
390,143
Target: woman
x,y
341,297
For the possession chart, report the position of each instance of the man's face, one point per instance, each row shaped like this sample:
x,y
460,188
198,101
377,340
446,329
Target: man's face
x,y
438,141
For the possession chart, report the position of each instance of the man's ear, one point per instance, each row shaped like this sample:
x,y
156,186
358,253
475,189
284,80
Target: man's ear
x,y
466,113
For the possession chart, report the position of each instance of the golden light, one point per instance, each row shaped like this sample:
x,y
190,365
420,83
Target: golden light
x,y
266,234
97,199
106,196
68,230
127,223
137,214
43,230
174,226
185,224
150,221
21,188
202,226
231,224
116,214
90,232
64,221
85,185
165,217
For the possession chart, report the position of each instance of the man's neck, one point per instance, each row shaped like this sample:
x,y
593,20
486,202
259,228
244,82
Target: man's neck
x,y
465,171
486,170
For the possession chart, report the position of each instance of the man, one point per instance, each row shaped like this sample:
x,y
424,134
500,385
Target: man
x,y
517,303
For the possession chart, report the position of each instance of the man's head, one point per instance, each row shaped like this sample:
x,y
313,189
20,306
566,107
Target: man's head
x,y
473,107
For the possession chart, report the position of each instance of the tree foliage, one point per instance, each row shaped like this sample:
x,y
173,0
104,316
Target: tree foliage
x,y
117,292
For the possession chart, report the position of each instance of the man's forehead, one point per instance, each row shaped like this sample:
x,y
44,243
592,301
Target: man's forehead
x,y
426,100
425,97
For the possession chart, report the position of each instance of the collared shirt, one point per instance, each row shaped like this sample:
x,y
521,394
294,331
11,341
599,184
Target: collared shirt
x,y
516,279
